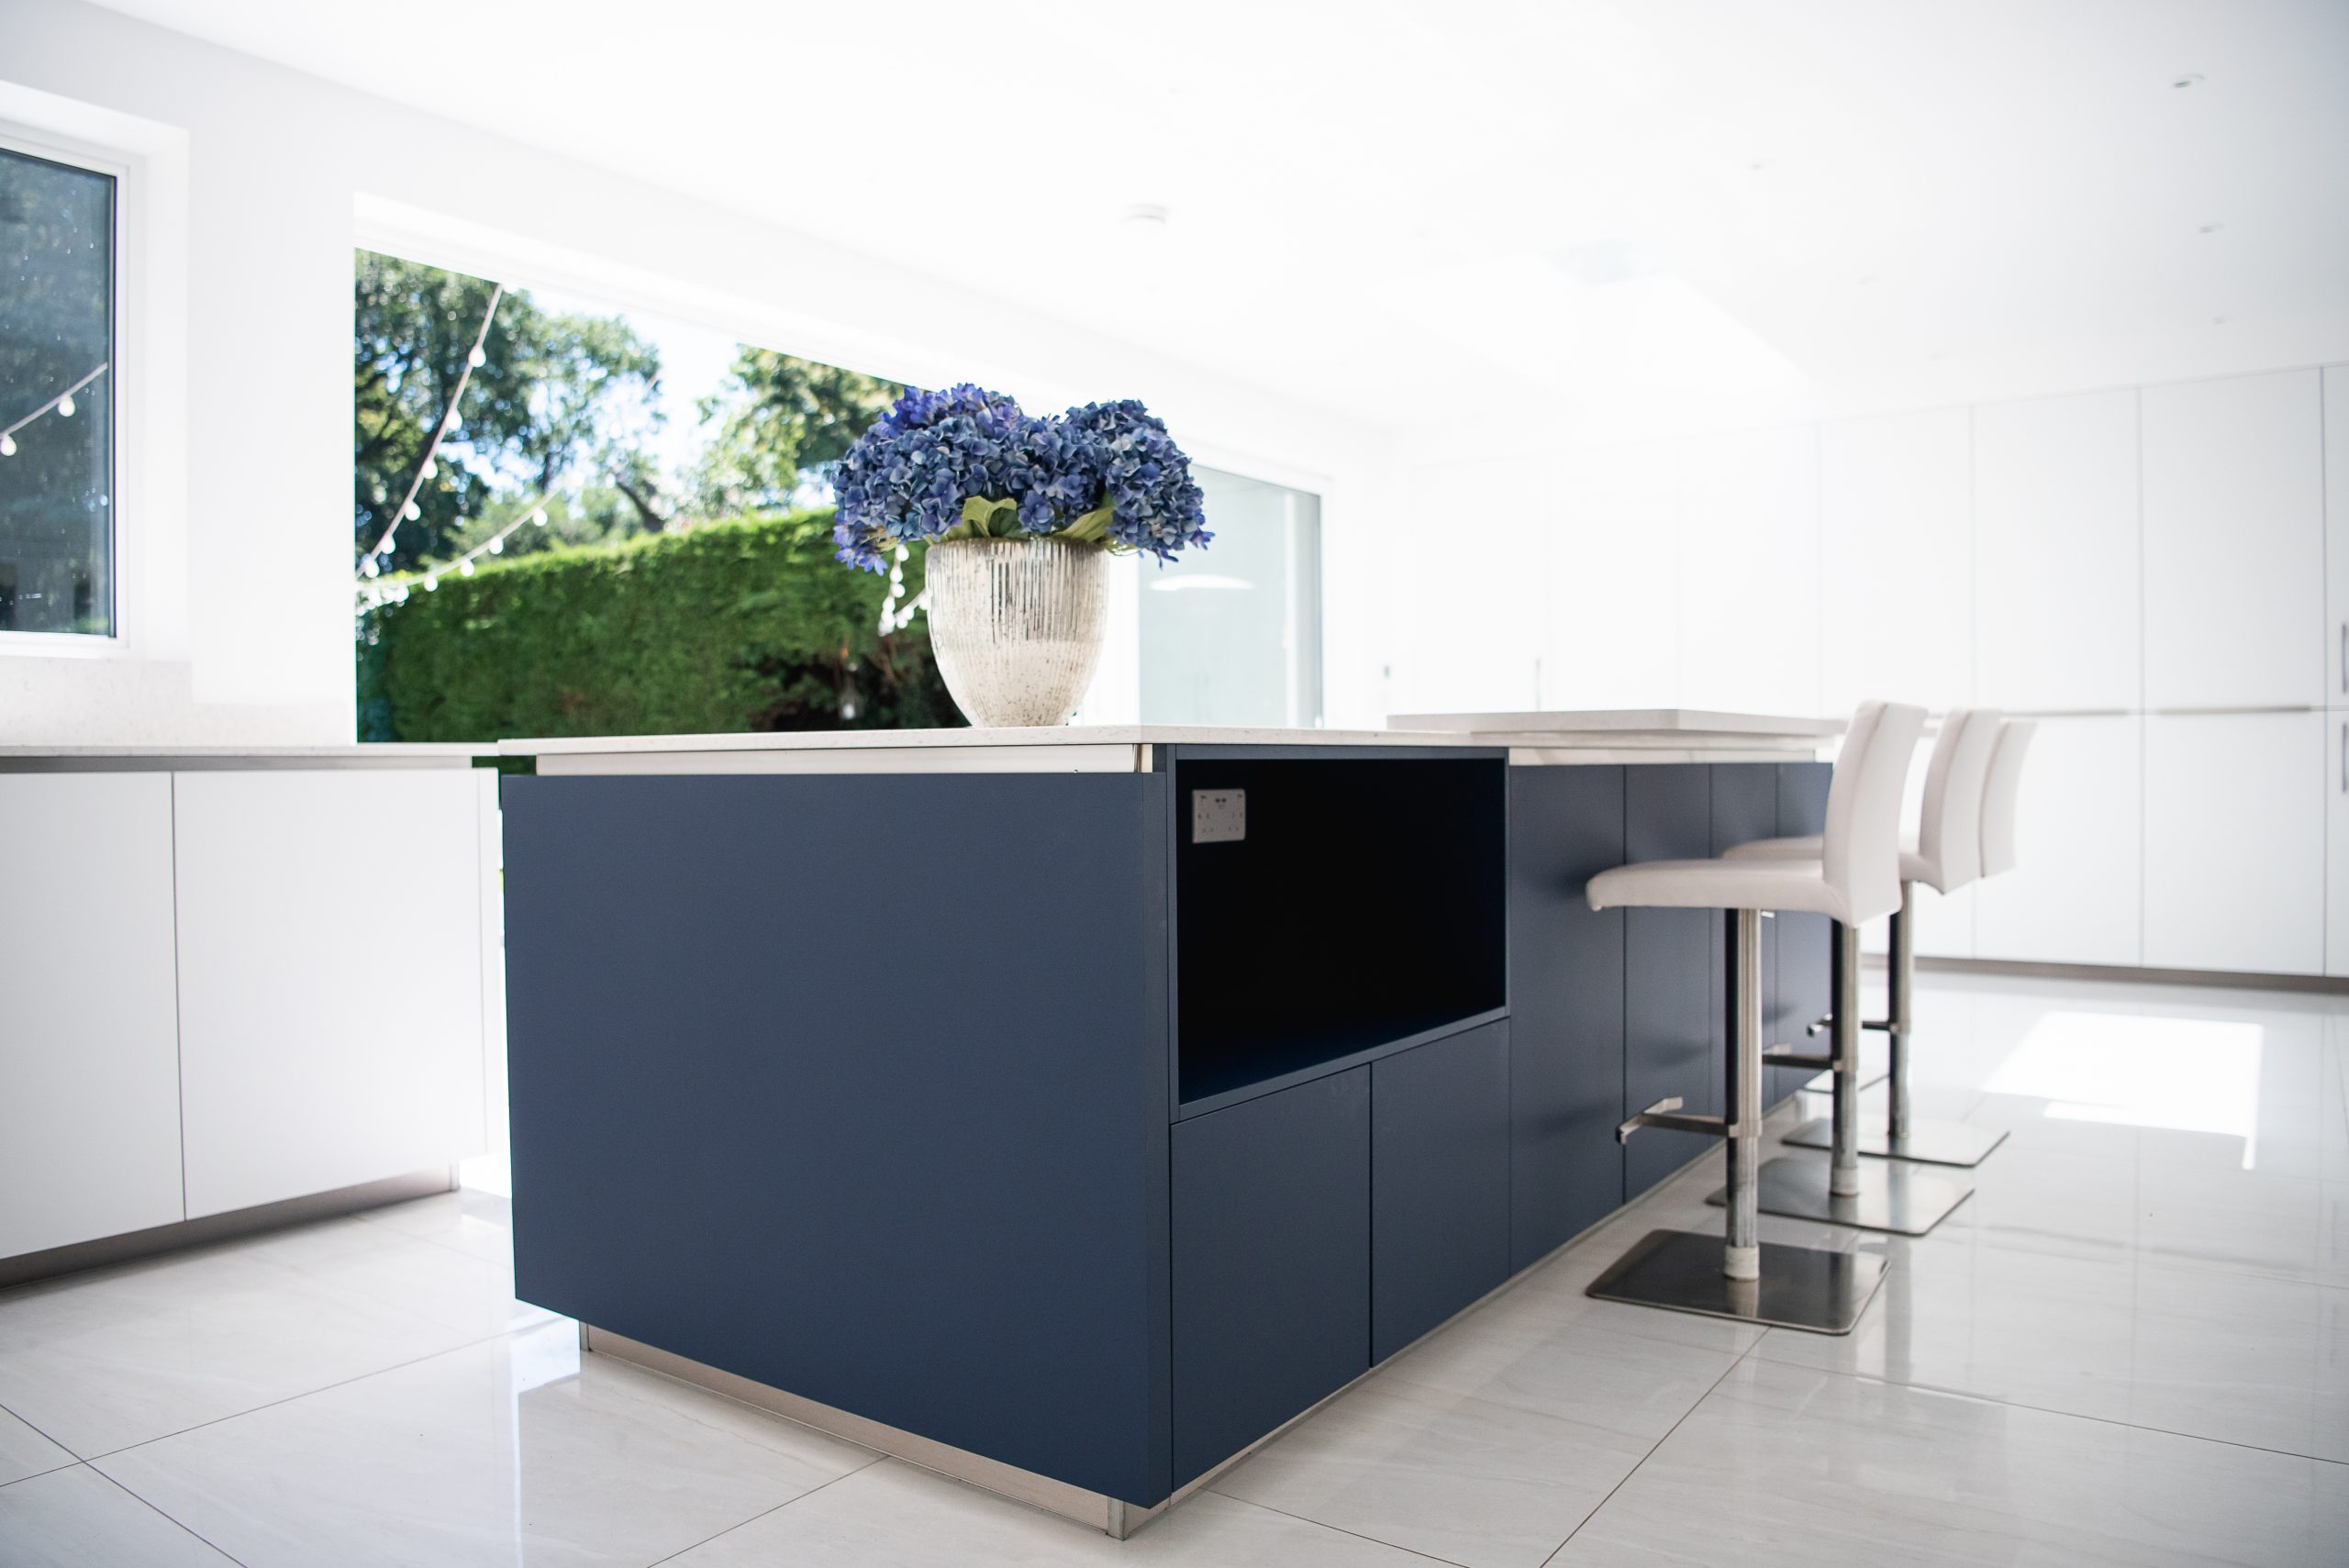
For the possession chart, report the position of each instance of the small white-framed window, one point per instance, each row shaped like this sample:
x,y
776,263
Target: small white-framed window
x,y
60,270
1231,633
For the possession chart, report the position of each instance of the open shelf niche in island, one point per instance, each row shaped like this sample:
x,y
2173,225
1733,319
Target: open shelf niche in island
x,y
1360,910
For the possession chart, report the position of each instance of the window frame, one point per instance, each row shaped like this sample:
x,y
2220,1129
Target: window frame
x,y
27,142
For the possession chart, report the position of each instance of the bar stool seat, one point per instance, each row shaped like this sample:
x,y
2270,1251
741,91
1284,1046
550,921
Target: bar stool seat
x,y
1854,879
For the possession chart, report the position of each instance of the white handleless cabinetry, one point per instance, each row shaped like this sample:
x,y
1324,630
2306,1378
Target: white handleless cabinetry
x,y
1896,561
2235,842
330,978
2235,543
89,1069
2056,627
1610,628
2336,536
1748,571
2073,896
2336,842
1472,595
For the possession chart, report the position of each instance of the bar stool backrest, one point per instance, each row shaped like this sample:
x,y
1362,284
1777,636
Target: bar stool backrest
x,y
1949,831
1860,852
1999,793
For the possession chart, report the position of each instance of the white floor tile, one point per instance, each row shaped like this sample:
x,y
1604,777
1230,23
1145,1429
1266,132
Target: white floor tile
x,y
1785,1466
504,1453
24,1451
75,1517
895,1516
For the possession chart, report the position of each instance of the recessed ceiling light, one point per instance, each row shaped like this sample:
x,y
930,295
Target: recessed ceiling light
x,y
1144,218
2218,321
2191,79
2212,228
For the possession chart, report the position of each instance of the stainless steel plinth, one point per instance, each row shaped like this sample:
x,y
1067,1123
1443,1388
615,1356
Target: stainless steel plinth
x,y
1800,1287
1898,1198
1927,1143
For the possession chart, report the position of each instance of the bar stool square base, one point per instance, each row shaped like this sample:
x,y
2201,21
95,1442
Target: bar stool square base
x,y
1927,1143
1899,1199
1802,1287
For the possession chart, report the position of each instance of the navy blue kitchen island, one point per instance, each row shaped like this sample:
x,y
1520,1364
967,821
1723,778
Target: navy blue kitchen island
x,y
1069,1110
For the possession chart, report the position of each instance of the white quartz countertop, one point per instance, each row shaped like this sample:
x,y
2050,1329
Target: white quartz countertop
x,y
1674,725
192,756
1065,735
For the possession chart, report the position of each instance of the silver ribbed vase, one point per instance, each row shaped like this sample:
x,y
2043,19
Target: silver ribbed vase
x,y
1016,625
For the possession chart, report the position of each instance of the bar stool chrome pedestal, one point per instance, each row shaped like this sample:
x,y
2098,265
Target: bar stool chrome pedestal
x,y
1855,878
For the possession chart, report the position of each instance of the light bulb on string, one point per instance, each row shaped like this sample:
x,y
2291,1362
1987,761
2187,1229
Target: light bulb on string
x,y
498,545
431,469
431,583
476,359
7,446
65,406
367,565
538,518
411,511
466,566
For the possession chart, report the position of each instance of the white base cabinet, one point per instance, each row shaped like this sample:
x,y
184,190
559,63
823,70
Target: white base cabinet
x,y
2235,842
2336,842
89,1048
330,991
2073,895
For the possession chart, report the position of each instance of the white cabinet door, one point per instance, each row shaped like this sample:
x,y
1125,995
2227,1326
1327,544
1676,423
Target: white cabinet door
x,y
2235,543
1896,561
2336,842
330,978
2336,535
1748,517
89,1046
2073,896
2055,600
1469,593
2235,842
1610,620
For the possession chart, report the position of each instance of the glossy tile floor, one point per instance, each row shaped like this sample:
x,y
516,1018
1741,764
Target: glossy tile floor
x,y
2132,1346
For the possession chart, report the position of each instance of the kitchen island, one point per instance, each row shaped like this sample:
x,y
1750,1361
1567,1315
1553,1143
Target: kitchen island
x,y
1070,1109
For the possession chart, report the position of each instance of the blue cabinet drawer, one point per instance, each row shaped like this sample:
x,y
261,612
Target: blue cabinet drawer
x,y
1440,1174
1271,1267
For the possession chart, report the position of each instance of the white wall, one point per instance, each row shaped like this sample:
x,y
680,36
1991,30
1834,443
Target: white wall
x,y
240,626
2145,568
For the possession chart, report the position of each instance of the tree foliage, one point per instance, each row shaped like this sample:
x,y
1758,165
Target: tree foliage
x,y
539,409
779,419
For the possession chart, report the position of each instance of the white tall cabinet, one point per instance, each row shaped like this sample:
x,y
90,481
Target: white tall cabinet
x,y
89,1043
1896,561
2335,392
1746,576
2235,841
2076,891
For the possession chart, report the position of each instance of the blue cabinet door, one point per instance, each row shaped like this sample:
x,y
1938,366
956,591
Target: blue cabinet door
x,y
1565,987
1802,993
1671,974
1439,1182
1271,1272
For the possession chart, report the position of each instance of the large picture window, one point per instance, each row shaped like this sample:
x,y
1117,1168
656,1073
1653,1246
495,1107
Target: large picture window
x,y
57,351
1232,634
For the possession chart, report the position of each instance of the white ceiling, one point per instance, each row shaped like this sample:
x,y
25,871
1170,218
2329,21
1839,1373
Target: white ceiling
x,y
1373,204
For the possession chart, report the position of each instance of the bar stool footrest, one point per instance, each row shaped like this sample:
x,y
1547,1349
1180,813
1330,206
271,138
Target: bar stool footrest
x,y
1899,1199
1809,1288
1788,1056
1929,1142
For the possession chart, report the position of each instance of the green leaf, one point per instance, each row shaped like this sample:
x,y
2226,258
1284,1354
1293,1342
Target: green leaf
x,y
1091,528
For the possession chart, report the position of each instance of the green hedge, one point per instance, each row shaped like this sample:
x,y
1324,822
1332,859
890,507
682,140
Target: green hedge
x,y
738,626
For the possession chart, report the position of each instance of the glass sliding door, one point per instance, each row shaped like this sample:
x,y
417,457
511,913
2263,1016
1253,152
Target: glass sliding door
x,y
1232,634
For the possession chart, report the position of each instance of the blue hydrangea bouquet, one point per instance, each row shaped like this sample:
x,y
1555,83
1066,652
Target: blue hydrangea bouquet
x,y
966,463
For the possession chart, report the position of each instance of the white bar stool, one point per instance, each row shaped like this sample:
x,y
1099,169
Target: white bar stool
x,y
1948,855
2000,796
1855,878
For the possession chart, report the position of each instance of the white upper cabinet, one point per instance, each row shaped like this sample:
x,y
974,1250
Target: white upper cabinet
x,y
2073,895
89,1042
1747,507
1470,593
330,993
2235,842
1896,561
1610,620
2235,543
2336,536
2056,611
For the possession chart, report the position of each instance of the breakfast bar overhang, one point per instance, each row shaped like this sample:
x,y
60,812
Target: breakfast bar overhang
x,y
1070,1109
